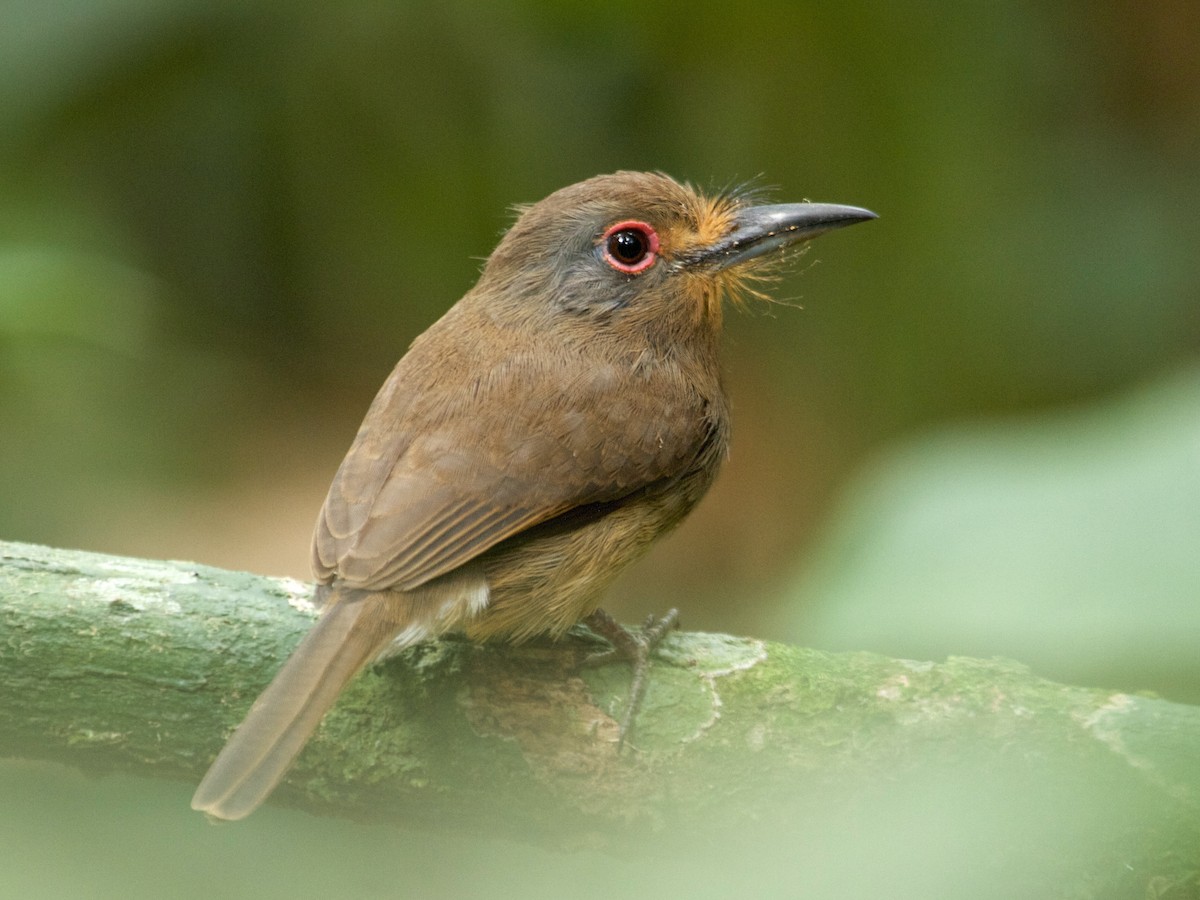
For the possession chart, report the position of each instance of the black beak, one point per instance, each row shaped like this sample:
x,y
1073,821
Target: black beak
x,y
763,229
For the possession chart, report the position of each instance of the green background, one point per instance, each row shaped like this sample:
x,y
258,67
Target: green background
x,y
972,428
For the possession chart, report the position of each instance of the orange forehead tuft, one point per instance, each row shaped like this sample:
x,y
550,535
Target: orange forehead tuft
x,y
706,221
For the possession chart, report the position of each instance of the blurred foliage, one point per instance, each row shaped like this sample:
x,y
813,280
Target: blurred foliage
x,y
1027,829
1070,542
221,223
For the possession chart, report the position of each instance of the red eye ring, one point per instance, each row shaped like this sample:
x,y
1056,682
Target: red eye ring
x,y
630,246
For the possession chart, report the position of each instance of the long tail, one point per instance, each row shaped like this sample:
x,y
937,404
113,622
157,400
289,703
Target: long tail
x,y
351,632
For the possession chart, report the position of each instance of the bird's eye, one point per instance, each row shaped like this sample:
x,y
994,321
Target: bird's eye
x,y
630,247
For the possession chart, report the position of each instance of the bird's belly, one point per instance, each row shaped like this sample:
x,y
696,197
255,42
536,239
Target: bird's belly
x,y
546,580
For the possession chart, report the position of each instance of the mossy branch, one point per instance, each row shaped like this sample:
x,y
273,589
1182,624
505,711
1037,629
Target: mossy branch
x,y
111,663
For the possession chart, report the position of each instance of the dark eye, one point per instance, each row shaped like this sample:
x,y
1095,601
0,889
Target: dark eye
x,y
630,247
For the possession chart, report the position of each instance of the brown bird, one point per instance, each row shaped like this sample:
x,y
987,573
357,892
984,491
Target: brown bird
x,y
562,416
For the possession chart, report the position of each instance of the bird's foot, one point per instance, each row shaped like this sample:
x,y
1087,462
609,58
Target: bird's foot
x,y
634,647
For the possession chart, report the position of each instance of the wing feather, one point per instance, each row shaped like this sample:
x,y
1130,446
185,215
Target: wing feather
x,y
437,475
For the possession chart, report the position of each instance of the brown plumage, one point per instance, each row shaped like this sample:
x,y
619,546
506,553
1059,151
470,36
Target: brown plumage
x,y
564,414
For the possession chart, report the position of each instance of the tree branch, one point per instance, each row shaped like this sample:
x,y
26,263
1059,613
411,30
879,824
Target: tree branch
x,y
111,663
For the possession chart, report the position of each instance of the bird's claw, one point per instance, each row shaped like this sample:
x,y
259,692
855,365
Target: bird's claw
x,y
633,647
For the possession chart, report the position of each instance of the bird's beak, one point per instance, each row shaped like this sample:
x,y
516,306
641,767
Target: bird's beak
x,y
762,229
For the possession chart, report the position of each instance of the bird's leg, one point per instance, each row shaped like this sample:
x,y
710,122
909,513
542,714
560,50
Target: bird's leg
x,y
635,648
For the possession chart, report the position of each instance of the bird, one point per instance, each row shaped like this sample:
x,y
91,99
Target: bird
x,y
556,421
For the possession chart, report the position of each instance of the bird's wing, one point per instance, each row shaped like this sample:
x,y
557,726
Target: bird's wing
x,y
444,468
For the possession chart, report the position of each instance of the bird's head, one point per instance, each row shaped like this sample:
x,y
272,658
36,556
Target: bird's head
x,y
637,248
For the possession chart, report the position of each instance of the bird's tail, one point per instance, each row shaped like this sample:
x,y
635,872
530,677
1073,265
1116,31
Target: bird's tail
x,y
351,632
